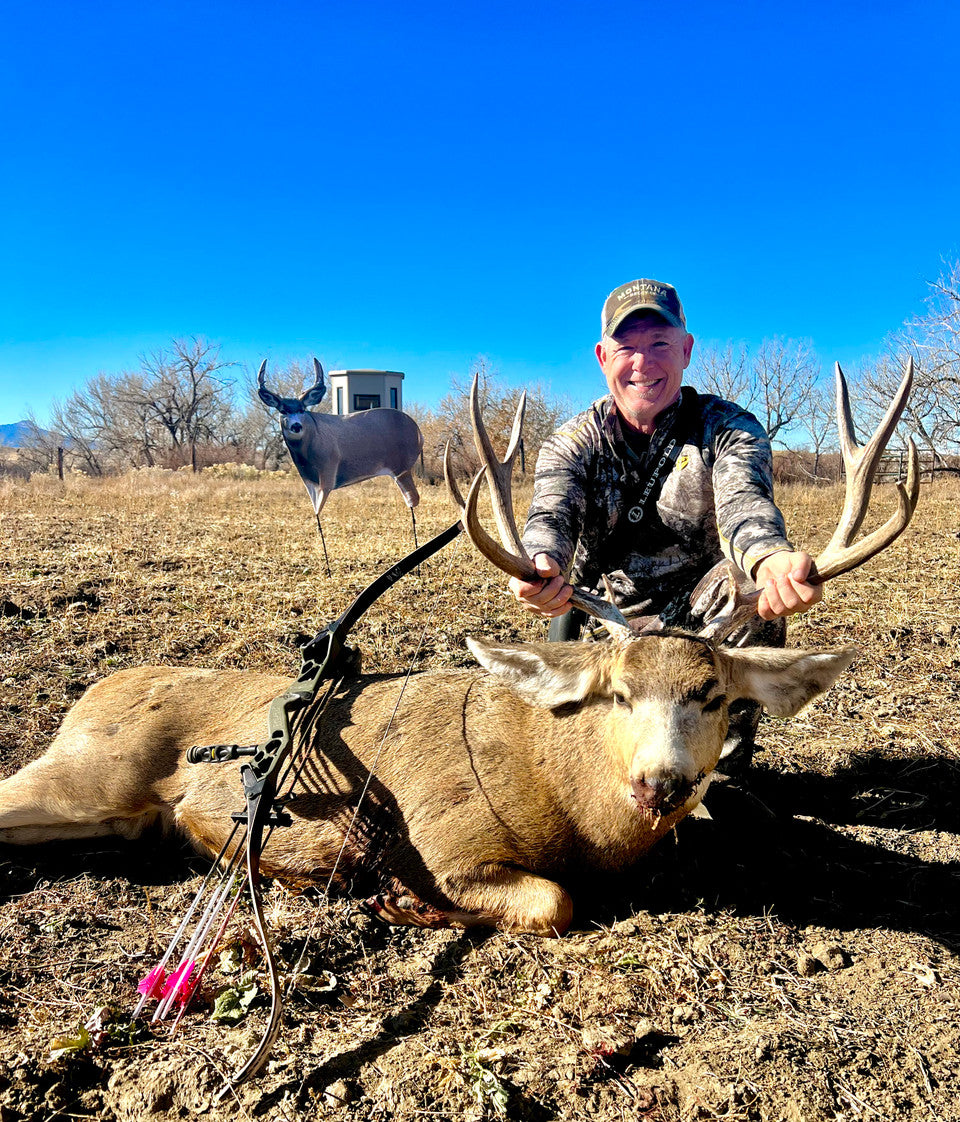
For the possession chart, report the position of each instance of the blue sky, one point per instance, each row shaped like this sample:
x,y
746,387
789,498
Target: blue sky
x,y
411,185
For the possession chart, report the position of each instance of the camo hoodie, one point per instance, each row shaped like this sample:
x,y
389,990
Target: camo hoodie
x,y
716,501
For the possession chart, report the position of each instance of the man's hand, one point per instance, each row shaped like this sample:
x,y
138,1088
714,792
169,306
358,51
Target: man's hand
x,y
782,579
547,597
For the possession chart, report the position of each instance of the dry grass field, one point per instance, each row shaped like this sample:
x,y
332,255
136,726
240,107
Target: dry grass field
x,y
792,960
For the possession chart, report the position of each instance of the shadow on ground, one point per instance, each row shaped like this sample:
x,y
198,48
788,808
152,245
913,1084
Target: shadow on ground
x,y
784,844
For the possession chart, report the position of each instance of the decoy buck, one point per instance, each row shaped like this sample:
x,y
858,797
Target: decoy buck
x,y
494,786
334,451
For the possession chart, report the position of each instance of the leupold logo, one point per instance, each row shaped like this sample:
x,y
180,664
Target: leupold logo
x,y
634,514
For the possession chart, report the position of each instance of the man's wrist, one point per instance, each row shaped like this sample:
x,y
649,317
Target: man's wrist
x,y
766,557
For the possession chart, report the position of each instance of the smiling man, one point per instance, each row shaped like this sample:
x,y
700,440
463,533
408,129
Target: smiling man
x,y
653,485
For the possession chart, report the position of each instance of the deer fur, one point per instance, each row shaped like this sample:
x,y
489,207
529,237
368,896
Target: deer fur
x,y
492,787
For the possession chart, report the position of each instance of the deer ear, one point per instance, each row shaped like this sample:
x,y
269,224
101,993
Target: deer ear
x,y
782,681
545,674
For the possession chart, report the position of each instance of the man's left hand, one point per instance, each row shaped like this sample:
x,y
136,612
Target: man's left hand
x,y
782,580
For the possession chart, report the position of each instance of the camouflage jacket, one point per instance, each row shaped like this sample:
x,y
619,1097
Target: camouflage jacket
x,y
716,501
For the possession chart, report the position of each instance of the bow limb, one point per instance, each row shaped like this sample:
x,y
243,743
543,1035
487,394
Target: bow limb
x,y
260,799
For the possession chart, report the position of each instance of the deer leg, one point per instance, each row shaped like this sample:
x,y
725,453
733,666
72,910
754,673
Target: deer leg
x,y
411,496
326,560
494,896
36,805
509,898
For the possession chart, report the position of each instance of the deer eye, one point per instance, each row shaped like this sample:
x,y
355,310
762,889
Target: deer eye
x,y
620,698
714,705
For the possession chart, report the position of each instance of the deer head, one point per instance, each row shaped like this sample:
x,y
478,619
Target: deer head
x,y
291,406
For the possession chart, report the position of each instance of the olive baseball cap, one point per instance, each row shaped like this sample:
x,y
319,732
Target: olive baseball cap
x,y
641,296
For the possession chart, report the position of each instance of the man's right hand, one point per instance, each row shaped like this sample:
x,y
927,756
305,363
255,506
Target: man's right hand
x,y
547,597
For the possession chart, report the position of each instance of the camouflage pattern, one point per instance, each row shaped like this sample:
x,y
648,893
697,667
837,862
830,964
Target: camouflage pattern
x,y
716,502
639,296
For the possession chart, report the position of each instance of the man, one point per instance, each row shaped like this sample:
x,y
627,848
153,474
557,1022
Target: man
x,y
656,483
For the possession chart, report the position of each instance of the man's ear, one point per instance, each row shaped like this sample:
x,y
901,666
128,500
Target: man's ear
x,y
687,350
546,674
601,353
782,681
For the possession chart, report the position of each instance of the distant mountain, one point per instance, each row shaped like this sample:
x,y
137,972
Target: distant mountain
x,y
12,436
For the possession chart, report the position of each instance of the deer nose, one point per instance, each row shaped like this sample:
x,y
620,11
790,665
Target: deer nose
x,y
296,427
659,792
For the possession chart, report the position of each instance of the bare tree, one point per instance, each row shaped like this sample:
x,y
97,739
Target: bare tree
x,y
75,427
785,373
184,393
821,425
776,382
725,372
933,340
498,404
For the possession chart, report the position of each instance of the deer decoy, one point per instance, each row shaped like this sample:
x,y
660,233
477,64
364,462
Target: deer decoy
x,y
332,451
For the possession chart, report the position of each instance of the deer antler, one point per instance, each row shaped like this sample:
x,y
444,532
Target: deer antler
x,y
510,556
314,395
842,554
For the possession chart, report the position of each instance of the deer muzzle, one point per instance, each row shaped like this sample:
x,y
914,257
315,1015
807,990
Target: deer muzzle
x,y
661,793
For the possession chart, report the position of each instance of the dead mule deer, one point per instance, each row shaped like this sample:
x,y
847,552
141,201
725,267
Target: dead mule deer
x,y
494,786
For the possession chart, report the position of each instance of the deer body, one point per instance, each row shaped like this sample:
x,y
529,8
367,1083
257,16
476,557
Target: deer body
x,y
491,786
332,452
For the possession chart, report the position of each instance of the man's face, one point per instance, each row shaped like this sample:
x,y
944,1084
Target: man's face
x,y
644,367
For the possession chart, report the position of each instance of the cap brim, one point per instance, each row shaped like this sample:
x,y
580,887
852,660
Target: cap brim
x,y
623,313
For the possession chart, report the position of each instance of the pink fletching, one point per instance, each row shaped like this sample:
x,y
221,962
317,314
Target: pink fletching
x,y
153,984
179,983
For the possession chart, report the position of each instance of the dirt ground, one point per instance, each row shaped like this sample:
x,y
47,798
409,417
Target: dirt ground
x,y
795,959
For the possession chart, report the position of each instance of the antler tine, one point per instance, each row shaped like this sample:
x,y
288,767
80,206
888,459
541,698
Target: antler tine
x,y
840,554
729,597
513,564
499,472
268,397
861,462
618,631
510,556
520,565
315,394
451,482
842,559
